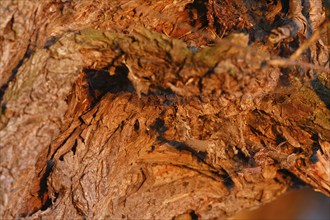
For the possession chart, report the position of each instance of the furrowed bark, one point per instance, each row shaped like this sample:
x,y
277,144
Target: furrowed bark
x,y
130,123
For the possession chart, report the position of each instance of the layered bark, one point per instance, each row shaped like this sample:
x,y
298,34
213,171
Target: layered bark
x,y
130,123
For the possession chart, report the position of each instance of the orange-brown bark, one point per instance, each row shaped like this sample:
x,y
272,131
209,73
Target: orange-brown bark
x,y
103,117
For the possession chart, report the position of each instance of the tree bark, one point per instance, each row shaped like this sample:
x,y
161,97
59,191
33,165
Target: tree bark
x,y
138,109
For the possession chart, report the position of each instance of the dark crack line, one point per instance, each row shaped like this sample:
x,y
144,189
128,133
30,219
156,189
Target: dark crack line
x,y
12,76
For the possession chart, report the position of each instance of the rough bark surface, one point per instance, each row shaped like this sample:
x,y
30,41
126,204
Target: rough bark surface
x,y
160,109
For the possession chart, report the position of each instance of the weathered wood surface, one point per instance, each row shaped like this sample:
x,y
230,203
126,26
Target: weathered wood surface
x,y
124,122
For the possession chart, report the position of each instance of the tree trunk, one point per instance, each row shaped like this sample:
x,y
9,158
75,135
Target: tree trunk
x,y
160,109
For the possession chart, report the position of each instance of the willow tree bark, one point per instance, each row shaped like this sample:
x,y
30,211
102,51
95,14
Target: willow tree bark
x,y
137,109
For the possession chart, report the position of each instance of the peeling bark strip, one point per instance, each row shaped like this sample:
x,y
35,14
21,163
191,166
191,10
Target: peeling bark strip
x,y
129,123
297,23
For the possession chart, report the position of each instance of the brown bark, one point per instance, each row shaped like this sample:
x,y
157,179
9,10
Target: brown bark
x,y
103,117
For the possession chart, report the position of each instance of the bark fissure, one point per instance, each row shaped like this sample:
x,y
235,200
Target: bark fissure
x,y
12,75
118,121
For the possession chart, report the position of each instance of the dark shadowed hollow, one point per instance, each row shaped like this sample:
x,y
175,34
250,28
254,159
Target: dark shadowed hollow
x,y
164,109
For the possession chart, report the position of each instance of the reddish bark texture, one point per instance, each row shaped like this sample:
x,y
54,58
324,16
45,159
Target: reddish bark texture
x,y
159,109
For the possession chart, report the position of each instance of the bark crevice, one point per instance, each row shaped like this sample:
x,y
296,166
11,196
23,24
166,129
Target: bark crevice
x,y
114,120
